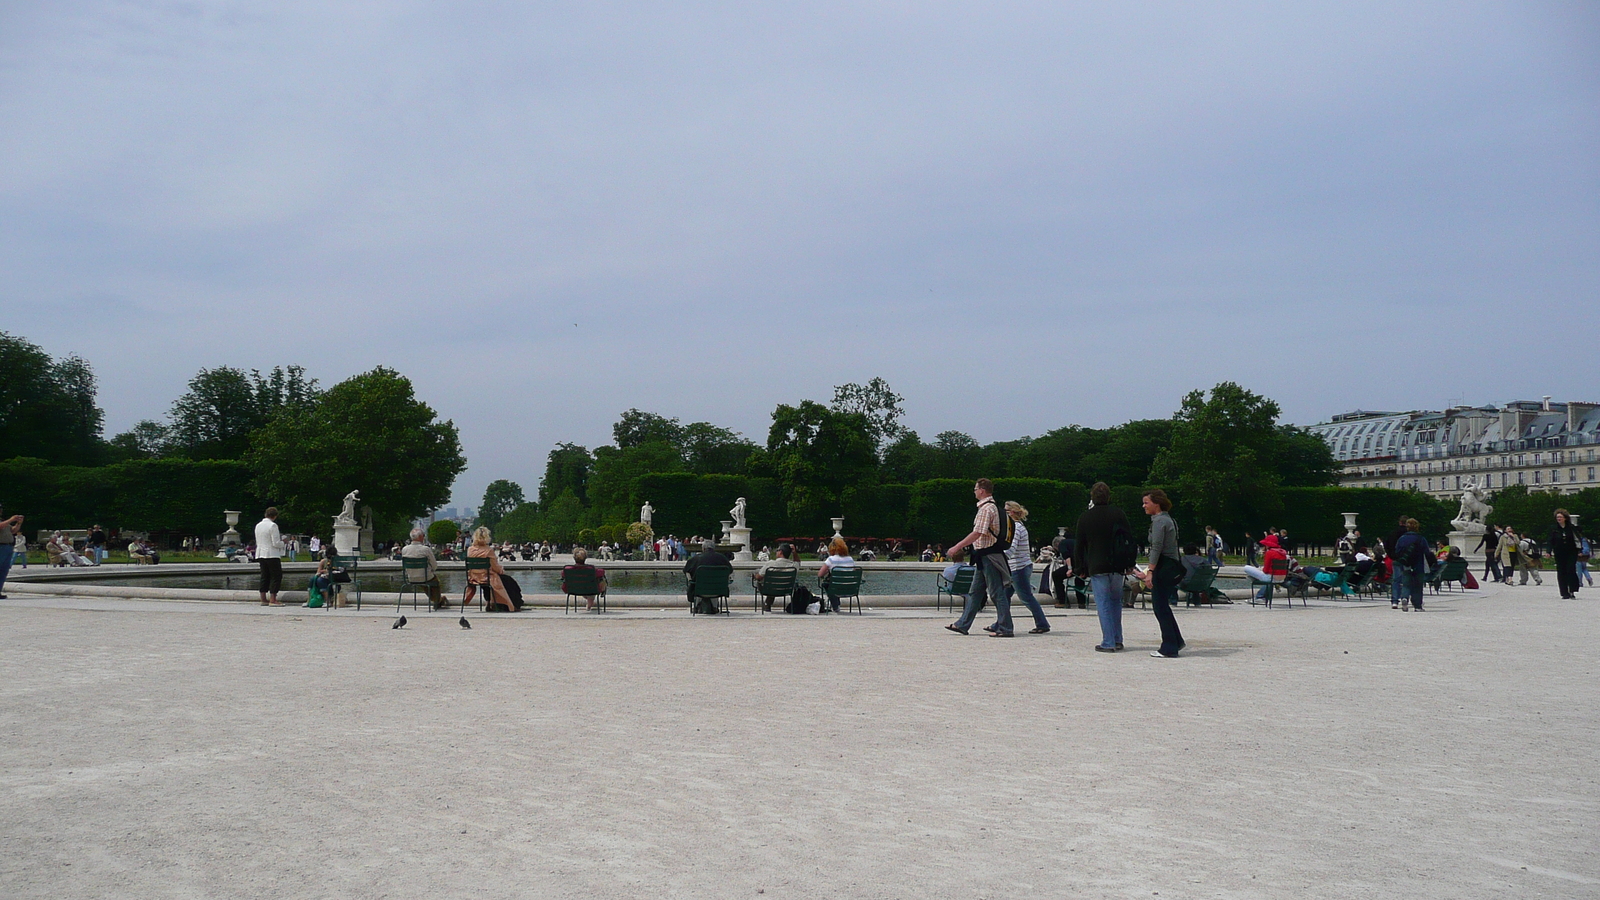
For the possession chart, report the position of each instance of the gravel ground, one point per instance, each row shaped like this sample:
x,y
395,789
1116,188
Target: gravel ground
x,y
179,750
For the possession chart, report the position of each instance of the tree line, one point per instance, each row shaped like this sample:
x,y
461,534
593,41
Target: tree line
x,y
1223,455
234,439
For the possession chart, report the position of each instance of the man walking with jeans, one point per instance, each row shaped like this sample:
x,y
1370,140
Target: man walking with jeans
x,y
992,575
1093,556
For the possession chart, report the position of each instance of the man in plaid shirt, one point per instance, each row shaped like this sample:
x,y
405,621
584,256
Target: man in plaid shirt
x,y
992,573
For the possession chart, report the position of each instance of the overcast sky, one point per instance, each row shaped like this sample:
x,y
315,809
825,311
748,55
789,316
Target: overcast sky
x,y
1022,216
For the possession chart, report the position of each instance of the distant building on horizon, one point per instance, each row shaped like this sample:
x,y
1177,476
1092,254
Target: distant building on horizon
x,y
1543,445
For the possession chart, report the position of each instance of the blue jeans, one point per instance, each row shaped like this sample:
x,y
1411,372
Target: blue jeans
x,y
991,577
1021,579
1410,584
1108,600
1397,585
5,564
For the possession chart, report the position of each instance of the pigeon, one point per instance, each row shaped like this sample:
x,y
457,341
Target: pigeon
x,y
399,623
465,624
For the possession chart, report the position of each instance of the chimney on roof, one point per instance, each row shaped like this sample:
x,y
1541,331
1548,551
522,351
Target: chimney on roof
x,y
1546,402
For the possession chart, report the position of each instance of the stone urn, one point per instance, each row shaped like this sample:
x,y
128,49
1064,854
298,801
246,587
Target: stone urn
x,y
1350,523
231,536
838,527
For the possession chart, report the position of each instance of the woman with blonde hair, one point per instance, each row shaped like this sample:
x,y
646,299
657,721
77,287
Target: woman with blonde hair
x,y
495,580
838,558
1019,559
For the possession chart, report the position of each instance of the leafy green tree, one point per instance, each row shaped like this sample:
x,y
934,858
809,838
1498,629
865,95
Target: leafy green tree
x,y
908,460
519,524
1221,458
957,455
1304,460
499,498
1127,453
146,440
47,407
815,453
566,470
369,433
616,472
444,531
637,428
709,450
224,406
879,407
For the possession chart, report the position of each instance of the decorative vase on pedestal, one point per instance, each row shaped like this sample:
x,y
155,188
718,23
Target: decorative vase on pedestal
x,y
1350,523
231,536
838,527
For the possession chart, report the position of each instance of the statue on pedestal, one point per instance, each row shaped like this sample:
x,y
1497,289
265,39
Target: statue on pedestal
x,y
645,512
347,516
1474,512
738,513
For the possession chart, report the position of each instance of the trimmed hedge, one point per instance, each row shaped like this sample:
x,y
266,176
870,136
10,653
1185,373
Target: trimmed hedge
x,y
171,496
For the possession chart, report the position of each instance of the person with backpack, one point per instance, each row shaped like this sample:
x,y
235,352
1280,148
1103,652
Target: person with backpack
x,y
1530,559
1105,551
990,539
1412,562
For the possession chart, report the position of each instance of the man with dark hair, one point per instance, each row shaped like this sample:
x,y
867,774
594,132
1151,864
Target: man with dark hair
x,y
269,555
992,576
708,556
1092,556
784,560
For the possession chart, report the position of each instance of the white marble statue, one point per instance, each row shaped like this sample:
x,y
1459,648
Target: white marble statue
x,y
738,513
645,512
1474,512
347,516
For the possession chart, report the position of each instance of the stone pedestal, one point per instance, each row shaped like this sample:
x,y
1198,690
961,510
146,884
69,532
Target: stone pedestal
x,y
741,536
1468,542
347,539
365,541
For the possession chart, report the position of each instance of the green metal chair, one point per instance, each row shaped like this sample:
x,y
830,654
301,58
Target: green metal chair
x,y
1452,570
776,584
844,584
714,583
1198,586
485,587
959,587
579,582
413,580
349,564
1335,587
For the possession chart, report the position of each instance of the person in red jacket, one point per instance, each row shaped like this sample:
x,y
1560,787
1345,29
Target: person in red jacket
x,y
1274,563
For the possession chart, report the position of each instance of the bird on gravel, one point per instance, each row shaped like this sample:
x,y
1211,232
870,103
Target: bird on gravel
x,y
399,623
465,624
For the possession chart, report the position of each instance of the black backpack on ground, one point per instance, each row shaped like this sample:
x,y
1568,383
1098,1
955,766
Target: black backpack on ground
x,y
799,600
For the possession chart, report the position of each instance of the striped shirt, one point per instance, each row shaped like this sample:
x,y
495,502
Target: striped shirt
x,y
1019,556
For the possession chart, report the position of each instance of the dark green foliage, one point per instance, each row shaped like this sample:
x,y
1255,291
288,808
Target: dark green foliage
x,y
879,407
875,510
566,471
443,531
815,453
1533,512
709,450
687,504
1315,515
499,498
637,428
223,407
166,496
616,474
368,433
47,408
519,524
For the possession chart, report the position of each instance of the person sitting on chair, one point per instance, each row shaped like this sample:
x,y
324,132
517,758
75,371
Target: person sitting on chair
x,y
838,558
419,549
580,563
482,548
958,561
784,560
708,556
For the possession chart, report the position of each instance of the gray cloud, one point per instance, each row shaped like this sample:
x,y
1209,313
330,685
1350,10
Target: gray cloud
x,y
1338,205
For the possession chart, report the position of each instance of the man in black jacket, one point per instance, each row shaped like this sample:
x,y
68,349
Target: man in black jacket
x,y
708,556
1092,557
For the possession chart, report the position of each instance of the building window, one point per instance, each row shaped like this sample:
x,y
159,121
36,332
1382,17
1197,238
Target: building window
x,y
1520,478
1536,478
1591,473
1538,459
1555,476
1572,474
1430,487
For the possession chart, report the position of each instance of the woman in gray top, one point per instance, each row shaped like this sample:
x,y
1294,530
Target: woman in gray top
x,y
1165,572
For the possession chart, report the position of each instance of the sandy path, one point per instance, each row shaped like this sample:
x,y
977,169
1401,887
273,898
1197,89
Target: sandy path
x,y
159,751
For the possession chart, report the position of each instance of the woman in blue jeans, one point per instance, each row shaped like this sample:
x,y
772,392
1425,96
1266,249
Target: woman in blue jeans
x,y
1019,559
